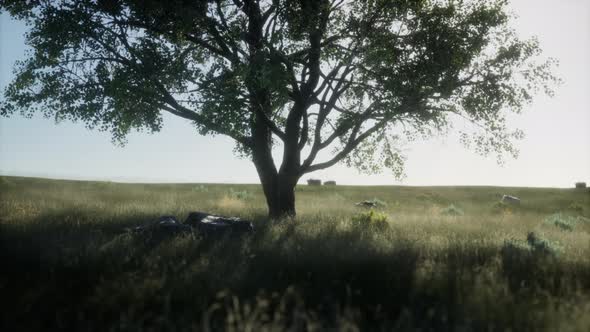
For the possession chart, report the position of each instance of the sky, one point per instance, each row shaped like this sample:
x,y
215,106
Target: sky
x,y
554,153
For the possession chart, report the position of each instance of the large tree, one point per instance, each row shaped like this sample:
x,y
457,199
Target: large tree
x,y
352,77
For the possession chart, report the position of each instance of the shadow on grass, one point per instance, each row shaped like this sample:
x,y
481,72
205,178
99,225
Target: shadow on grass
x,y
92,276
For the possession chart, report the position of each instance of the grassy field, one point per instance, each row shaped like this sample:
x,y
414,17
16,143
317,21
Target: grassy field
x,y
428,258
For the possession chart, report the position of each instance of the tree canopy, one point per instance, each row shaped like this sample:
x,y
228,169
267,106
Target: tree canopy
x,y
354,78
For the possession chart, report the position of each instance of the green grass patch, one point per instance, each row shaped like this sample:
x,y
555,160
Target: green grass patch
x,y
452,210
371,220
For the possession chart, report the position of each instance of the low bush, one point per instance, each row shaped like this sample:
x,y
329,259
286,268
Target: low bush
x,y
535,245
576,207
378,202
243,195
452,210
5,182
542,246
200,189
371,219
565,222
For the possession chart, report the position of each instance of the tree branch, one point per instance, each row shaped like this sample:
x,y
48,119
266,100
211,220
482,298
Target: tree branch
x,y
352,143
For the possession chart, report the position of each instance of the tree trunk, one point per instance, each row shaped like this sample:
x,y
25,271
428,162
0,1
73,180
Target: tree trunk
x,y
279,191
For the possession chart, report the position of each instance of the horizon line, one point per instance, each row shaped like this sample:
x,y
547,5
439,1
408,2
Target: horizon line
x,y
145,181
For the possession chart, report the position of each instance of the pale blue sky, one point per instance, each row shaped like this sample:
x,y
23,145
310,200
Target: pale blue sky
x,y
555,152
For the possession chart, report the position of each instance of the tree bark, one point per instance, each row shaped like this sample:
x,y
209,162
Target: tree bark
x,y
278,185
280,196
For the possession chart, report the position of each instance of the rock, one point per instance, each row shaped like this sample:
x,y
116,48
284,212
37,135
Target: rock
x,y
168,220
367,204
314,182
507,199
330,183
205,223
209,224
580,185
164,226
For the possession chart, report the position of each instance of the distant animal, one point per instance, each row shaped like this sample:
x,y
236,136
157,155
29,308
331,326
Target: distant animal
x,y
507,199
314,182
330,183
580,185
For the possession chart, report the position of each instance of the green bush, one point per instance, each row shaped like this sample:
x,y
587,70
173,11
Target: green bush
x,y
432,198
371,219
452,210
576,207
378,202
535,245
200,189
542,246
243,195
5,182
562,221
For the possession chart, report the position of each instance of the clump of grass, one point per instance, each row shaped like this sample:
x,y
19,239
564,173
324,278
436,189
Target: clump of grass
x,y
501,208
200,189
314,272
242,195
371,219
565,222
431,197
576,207
104,185
535,245
5,182
542,246
231,203
452,210
377,202
514,248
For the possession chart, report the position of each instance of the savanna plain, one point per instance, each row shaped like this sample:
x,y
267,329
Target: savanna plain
x,y
424,258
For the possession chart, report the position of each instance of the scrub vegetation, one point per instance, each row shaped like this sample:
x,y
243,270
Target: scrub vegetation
x,y
430,258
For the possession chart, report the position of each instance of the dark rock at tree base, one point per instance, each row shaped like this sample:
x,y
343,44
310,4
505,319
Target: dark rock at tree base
x,y
165,226
210,224
330,183
204,223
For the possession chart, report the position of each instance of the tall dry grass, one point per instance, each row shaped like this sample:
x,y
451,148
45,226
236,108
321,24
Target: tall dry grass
x,y
68,262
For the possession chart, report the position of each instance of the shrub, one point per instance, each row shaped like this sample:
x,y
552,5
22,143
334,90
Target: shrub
x,y
513,249
241,195
452,210
535,245
564,222
200,189
542,246
371,219
432,197
372,203
576,207
378,202
5,181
